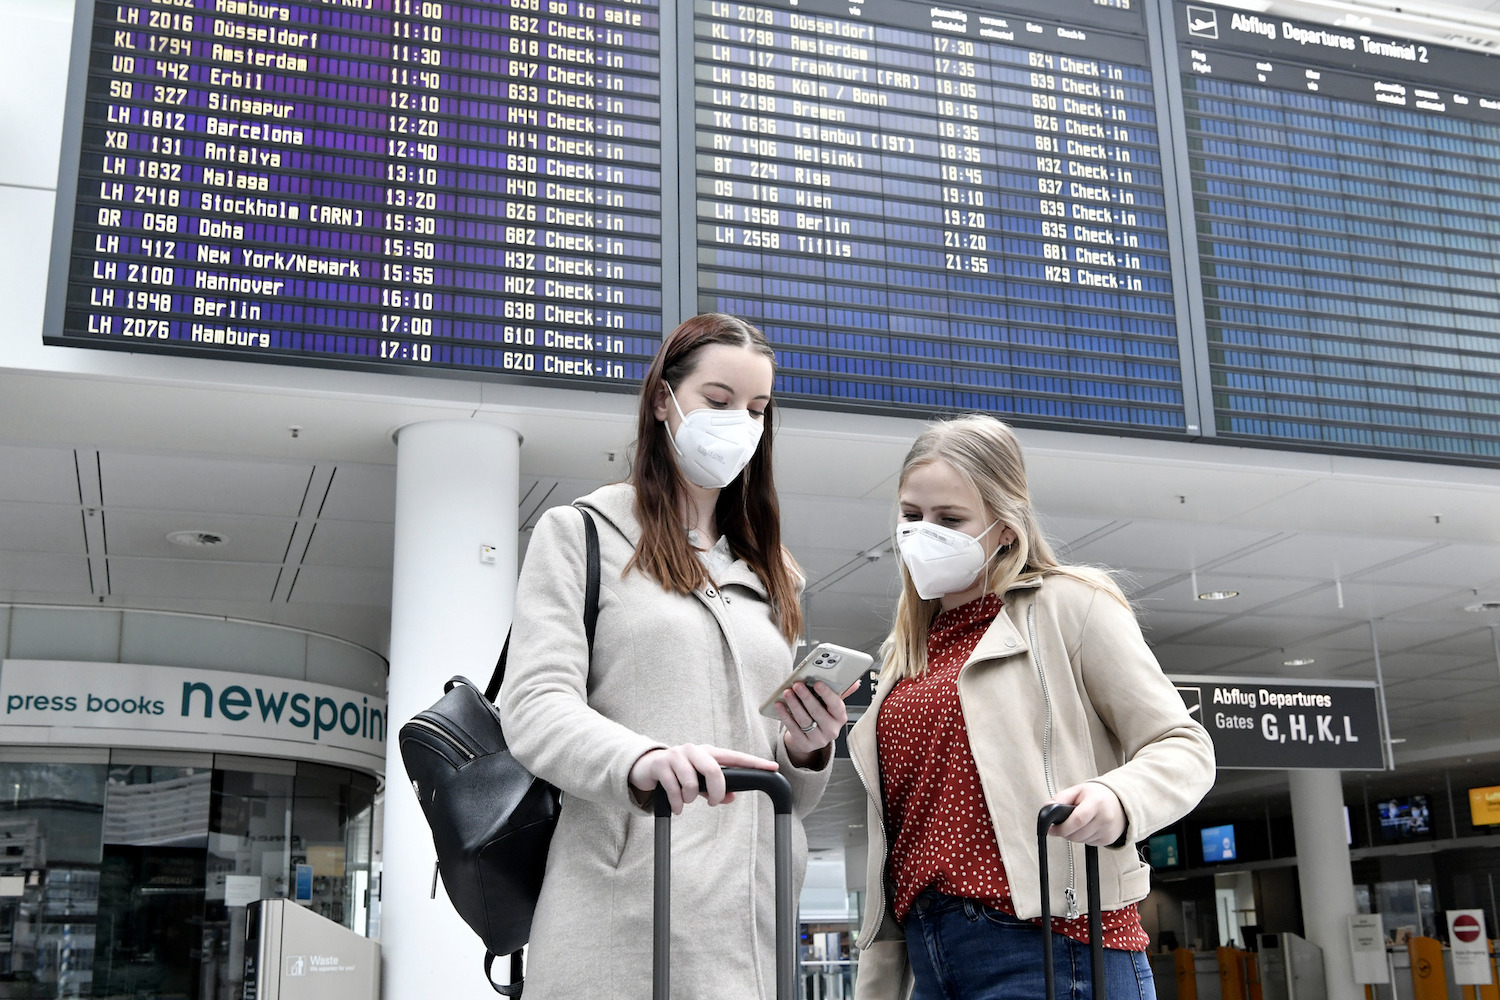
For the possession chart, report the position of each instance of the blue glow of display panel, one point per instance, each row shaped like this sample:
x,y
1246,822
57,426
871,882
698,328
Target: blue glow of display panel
x,y
459,184
1347,201
955,207
1218,843
946,208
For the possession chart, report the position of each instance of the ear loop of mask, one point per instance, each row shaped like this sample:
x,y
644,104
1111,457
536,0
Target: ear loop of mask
x,y
677,405
989,560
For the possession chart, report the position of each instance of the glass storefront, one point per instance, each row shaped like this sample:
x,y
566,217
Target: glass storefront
x,y
128,879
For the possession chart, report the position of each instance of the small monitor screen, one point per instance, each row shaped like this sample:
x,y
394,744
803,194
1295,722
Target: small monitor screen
x,y
1164,851
1484,805
1404,817
1218,843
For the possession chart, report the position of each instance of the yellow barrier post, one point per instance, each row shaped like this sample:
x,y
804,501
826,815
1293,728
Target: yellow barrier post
x,y
1187,973
1492,991
1231,973
1428,980
1252,974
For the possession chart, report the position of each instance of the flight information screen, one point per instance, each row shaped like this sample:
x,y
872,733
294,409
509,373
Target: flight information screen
x,y
926,206
942,206
1346,193
409,183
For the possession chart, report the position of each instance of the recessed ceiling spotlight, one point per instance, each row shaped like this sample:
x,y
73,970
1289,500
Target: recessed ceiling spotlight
x,y
196,539
1482,607
1218,595
1299,662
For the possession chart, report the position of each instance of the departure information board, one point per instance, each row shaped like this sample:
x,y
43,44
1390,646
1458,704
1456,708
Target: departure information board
x,y
942,206
420,183
1134,216
1346,190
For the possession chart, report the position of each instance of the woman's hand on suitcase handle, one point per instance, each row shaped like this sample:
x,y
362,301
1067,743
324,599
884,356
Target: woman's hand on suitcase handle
x,y
1098,818
813,718
676,770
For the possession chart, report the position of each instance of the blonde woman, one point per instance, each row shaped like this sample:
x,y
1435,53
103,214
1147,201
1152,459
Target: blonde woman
x,y
1009,681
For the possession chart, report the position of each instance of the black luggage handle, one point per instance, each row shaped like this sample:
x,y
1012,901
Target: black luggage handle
x,y
736,779
1052,814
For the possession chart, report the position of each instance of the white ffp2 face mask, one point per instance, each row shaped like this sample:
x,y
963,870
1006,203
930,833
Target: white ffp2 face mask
x,y
714,446
939,559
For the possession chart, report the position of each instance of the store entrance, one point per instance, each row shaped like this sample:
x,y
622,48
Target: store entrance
x,y
150,910
129,879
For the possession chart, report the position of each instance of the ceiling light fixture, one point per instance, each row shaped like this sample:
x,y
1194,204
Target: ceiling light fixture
x,y
1218,595
1300,662
197,539
1482,607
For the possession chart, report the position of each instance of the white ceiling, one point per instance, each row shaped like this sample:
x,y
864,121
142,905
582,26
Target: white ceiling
x,y
1470,24
1329,555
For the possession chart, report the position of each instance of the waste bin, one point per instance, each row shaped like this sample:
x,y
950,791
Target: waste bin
x,y
292,953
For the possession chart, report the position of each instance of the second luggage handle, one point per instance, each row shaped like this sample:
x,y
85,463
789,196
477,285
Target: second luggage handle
x,y
736,779
1052,814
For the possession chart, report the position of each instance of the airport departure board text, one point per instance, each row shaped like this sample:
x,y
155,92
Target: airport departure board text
x,y
1152,217
410,183
954,207
1346,196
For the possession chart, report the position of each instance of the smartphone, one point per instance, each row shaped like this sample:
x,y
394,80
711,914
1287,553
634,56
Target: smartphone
x,y
836,666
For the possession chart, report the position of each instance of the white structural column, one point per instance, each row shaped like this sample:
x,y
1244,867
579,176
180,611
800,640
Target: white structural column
x,y
1323,870
457,484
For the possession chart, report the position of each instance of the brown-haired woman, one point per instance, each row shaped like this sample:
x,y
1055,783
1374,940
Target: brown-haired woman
x,y
698,610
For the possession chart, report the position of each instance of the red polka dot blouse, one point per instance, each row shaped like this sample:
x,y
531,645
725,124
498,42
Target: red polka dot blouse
x,y
933,799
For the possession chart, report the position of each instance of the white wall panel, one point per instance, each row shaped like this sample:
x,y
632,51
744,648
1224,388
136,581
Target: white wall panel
x,y
38,475
34,40
272,488
350,543
37,527
148,579
36,573
333,585
249,539
65,634
177,641
342,665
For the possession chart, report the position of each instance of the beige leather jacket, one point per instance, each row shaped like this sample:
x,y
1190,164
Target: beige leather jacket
x,y
1061,689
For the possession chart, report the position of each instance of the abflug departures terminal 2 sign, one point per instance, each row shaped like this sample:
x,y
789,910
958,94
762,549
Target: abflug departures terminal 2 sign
x,y
1268,723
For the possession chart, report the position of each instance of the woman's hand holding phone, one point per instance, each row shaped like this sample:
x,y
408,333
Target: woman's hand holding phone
x,y
676,770
813,715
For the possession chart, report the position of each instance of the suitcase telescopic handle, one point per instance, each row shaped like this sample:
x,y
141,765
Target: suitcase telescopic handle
x,y
736,779
1052,814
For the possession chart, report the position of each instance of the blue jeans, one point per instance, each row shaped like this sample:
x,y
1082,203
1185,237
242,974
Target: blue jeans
x,y
963,950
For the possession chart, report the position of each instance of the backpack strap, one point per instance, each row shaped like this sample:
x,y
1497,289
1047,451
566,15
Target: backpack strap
x,y
590,620
517,970
590,602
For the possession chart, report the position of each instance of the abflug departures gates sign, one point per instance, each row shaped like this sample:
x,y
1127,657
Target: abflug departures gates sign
x,y
1273,723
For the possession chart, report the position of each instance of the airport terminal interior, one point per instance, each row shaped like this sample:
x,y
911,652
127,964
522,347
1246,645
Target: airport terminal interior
x,y
1231,270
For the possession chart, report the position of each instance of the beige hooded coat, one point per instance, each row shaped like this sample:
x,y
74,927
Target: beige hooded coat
x,y
667,669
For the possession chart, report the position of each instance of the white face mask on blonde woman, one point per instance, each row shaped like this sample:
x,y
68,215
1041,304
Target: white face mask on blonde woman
x,y
941,560
946,537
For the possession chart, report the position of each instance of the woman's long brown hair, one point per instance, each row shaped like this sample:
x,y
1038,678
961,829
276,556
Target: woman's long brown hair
x,y
747,513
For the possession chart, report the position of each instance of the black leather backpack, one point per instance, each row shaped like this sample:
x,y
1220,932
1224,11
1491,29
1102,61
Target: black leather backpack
x,y
491,819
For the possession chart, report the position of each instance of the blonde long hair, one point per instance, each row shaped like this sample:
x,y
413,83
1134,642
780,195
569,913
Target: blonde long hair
x,y
985,454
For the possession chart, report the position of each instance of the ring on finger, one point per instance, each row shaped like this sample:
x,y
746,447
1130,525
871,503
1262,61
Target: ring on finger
x,y
810,726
